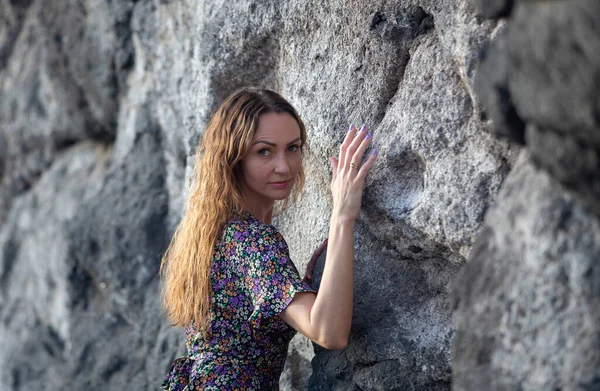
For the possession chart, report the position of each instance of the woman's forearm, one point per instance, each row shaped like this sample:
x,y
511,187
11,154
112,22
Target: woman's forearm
x,y
331,314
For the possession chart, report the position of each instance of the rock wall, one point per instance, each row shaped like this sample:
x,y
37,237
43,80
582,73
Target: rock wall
x,y
101,107
527,304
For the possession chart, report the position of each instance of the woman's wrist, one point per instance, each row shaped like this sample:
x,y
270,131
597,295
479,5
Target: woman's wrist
x,y
340,218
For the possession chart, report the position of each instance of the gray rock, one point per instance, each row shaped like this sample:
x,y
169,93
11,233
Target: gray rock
x,y
495,8
526,305
491,85
61,78
556,91
401,328
523,83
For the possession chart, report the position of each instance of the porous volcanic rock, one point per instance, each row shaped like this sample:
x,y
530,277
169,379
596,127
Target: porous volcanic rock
x,y
527,303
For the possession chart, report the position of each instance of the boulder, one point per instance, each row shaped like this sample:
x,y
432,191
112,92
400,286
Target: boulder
x,y
527,303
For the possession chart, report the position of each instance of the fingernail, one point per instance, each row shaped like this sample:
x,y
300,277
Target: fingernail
x,y
351,127
363,128
374,151
368,136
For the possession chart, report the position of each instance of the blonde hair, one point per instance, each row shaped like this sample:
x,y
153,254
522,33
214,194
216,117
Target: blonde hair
x,y
215,195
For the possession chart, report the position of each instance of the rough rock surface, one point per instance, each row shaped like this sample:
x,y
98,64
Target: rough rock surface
x,y
527,304
101,108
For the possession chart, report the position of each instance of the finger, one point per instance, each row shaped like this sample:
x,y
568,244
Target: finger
x,y
314,257
334,165
357,157
360,136
364,170
347,140
323,245
325,242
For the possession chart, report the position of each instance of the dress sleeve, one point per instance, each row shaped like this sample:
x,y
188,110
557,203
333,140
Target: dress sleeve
x,y
271,277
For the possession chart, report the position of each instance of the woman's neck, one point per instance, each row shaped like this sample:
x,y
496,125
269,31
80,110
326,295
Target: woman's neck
x,y
262,212
258,206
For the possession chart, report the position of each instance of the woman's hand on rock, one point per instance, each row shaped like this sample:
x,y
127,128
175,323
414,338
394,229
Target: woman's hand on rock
x,y
348,179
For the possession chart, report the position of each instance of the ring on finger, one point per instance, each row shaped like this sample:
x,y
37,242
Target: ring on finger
x,y
354,165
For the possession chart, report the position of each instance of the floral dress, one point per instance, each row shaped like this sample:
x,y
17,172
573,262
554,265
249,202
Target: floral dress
x,y
253,280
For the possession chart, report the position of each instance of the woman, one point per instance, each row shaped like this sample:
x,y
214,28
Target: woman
x,y
228,277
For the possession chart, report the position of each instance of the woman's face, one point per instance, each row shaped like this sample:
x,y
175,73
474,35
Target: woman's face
x,y
271,167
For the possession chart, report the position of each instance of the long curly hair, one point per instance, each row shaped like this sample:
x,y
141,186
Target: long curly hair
x,y
215,195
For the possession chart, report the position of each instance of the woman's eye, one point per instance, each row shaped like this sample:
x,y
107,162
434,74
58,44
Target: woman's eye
x,y
293,148
263,152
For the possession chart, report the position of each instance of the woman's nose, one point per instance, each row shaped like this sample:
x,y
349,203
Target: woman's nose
x,y
282,165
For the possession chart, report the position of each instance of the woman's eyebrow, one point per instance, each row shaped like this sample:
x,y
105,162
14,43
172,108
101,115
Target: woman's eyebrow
x,y
273,144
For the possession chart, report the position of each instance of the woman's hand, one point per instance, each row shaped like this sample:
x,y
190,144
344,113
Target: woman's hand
x,y
348,179
310,268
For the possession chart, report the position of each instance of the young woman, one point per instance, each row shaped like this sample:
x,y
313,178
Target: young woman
x,y
227,274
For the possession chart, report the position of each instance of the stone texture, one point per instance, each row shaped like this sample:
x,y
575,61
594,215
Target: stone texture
x,y
547,81
401,329
527,304
84,216
102,105
494,8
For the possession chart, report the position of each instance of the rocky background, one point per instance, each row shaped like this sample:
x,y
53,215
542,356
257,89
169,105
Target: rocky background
x,y
102,105
527,303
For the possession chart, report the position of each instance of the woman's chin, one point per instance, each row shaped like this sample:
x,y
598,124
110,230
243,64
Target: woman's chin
x,y
281,198
281,195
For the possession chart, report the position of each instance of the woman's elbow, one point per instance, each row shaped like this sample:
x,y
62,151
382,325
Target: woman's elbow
x,y
339,344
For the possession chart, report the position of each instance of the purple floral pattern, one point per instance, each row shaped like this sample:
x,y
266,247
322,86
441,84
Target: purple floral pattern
x,y
253,281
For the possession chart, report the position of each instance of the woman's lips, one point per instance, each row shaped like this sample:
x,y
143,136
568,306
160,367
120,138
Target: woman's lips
x,y
280,185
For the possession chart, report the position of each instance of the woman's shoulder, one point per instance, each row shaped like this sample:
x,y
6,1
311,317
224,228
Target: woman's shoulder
x,y
244,227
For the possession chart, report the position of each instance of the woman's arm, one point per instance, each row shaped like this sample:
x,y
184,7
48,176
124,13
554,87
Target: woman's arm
x,y
326,317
